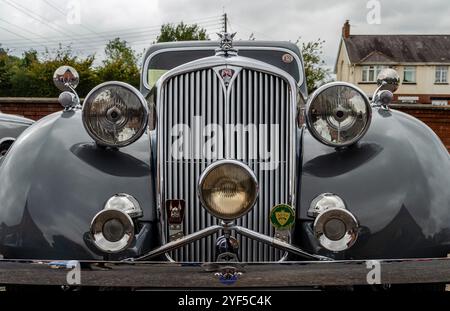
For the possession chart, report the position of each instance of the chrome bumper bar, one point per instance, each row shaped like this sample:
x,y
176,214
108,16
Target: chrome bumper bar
x,y
227,228
210,275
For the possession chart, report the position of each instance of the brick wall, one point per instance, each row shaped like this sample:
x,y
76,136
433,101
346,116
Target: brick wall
x,y
437,117
29,107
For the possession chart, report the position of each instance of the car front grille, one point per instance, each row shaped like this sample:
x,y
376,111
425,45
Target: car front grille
x,y
255,97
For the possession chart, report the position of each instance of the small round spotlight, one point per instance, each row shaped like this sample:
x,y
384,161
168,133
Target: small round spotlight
x,y
112,230
336,229
125,203
228,189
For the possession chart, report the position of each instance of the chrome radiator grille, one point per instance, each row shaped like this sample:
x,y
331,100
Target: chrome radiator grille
x,y
254,98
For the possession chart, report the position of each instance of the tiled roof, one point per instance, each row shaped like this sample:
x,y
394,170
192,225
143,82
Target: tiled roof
x,y
398,48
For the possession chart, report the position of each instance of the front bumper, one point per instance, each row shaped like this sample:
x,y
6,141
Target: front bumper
x,y
224,275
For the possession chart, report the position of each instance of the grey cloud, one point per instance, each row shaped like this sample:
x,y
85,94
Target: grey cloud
x,y
266,19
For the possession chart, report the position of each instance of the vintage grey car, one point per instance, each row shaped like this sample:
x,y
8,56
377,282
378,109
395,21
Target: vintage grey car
x,y
11,127
222,171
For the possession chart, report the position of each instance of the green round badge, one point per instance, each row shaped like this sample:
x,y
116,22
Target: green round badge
x,y
282,217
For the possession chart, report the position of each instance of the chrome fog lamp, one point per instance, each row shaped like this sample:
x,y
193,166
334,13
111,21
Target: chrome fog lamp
x,y
125,203
338,114
323,202
335,227
228,189
115,114
112,230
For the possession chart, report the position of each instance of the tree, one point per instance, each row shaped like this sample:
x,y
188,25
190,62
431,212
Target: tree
x,y
120,63
181,32
33,76
316,74
8,63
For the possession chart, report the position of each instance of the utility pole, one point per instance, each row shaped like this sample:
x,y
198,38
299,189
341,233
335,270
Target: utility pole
x,y
225,22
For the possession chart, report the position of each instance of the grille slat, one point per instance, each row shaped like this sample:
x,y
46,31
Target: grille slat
x,y
255,98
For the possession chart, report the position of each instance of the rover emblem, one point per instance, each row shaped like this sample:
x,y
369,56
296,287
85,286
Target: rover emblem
x,y
227,74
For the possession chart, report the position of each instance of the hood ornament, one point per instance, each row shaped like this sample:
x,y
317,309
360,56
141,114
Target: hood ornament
x,y
226,44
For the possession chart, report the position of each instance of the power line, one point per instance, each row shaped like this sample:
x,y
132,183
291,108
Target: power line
x,y
154,27
40,19
27,31
90,42
129,38
93,38
253,31
35,17
45,22
76,46
89,39
16,34
61,11
55,7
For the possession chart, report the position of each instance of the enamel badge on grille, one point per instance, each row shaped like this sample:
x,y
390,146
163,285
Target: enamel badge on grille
x,y
227,74
282,217
175,215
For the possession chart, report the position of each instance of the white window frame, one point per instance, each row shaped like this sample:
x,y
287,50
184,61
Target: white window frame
x,y
412,70
441,74
371,70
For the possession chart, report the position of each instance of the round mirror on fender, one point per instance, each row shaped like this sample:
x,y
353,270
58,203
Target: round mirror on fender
x,y
388,79
66,78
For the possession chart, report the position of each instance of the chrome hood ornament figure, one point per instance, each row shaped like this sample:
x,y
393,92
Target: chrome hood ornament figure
x,y
226,44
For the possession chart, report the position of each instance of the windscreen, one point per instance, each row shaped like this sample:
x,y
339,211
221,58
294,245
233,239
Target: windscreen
x,y
165,61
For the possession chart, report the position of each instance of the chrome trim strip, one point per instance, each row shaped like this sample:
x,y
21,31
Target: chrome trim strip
x,y
173,245
276,243
200,275
8,120
212,48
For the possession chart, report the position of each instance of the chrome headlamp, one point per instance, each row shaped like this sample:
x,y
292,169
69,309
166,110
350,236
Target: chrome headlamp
x,y
115,114
228,189
338,114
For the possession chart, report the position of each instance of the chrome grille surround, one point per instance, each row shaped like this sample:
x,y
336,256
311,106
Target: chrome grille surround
x,y
282,89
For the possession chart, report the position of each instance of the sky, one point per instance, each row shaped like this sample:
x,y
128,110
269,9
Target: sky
x,y
87,24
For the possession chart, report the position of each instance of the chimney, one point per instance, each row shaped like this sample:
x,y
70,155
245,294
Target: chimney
x,y
346,29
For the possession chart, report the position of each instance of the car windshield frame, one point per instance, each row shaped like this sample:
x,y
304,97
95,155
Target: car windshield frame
x,y
146,68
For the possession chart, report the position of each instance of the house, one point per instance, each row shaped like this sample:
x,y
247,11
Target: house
x,y
422,61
